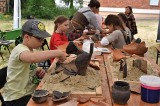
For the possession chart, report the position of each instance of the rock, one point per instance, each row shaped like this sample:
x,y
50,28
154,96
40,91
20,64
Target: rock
x,y
118,55
140,64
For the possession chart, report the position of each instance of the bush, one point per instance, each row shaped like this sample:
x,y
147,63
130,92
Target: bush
x,y
45,9
63,11
5,17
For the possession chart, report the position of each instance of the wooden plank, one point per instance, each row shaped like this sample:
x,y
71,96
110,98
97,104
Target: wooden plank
x,y
76,93
153,64
158,48
99,91
105,84
135,99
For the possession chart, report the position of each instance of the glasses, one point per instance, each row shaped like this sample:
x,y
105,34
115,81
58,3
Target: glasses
x,y
40,39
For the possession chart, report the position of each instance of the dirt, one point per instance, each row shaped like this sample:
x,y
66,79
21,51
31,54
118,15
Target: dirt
x,y
133,73
87,83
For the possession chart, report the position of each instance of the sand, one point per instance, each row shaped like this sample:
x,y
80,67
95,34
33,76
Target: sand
x,y
133,73
87,83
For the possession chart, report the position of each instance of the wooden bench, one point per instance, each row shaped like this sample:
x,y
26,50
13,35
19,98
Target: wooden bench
x,y
158,53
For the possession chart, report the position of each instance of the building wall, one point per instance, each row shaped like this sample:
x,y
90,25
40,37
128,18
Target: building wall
x,y
2,6
140,4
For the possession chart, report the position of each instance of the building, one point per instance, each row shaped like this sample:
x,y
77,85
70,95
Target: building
x,y
3,6
139,4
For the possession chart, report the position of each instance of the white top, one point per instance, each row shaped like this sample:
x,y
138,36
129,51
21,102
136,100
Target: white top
x,y
116,38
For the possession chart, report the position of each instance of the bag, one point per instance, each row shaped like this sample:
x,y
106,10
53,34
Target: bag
x,y
126,37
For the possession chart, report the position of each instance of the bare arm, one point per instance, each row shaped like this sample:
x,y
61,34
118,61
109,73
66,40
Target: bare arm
x,y
34,57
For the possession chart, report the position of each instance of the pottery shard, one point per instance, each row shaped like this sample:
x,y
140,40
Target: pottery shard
x,y
136,48
93,65
82,100
118,55
140,64
81,63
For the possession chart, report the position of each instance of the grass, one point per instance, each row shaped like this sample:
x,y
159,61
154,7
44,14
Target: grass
x,y
147,31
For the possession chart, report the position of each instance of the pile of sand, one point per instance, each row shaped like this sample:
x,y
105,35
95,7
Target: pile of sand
x,y
90,82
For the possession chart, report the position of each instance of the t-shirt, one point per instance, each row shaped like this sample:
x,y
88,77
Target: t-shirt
x,y
116,38
91,17
19,76
57,39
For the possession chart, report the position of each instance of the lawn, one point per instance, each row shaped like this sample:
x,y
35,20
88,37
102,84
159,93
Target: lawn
x,y
147,31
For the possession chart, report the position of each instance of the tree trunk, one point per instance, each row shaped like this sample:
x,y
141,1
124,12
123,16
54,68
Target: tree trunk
x,y
71,4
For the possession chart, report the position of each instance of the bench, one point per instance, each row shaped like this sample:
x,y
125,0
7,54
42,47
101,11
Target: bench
x,y
158,53
6,37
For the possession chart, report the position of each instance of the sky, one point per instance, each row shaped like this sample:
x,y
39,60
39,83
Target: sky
x,y
60,3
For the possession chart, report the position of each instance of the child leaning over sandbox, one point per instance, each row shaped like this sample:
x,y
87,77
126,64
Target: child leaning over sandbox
x,y
22,64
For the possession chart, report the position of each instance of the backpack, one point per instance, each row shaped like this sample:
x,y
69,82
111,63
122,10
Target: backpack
x,y
126,37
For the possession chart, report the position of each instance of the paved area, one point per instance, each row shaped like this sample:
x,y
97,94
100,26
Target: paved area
x,y
138,13
139,16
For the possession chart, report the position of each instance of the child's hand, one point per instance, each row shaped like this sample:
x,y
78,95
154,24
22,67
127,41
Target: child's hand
x,y
40,73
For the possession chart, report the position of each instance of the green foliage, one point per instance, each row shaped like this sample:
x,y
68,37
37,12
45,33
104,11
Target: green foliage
x,y
38,8
63,11
5,17
45,9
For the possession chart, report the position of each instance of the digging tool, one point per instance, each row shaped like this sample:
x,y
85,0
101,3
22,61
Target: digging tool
x,y
53,66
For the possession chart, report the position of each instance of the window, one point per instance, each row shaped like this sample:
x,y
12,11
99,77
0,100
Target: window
x,y
154,2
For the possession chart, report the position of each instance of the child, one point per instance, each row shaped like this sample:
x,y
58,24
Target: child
x,y
116,37
125,24
22,64
59,37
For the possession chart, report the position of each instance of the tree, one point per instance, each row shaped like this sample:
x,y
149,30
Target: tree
x,y
54,4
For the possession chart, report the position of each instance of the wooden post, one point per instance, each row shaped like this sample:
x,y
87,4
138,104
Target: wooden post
x,y
158,32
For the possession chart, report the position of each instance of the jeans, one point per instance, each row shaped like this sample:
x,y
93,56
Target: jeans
x,y
19,102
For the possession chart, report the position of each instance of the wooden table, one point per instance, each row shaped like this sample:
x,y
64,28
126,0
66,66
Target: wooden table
x,y
106,97
135,99
107,82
